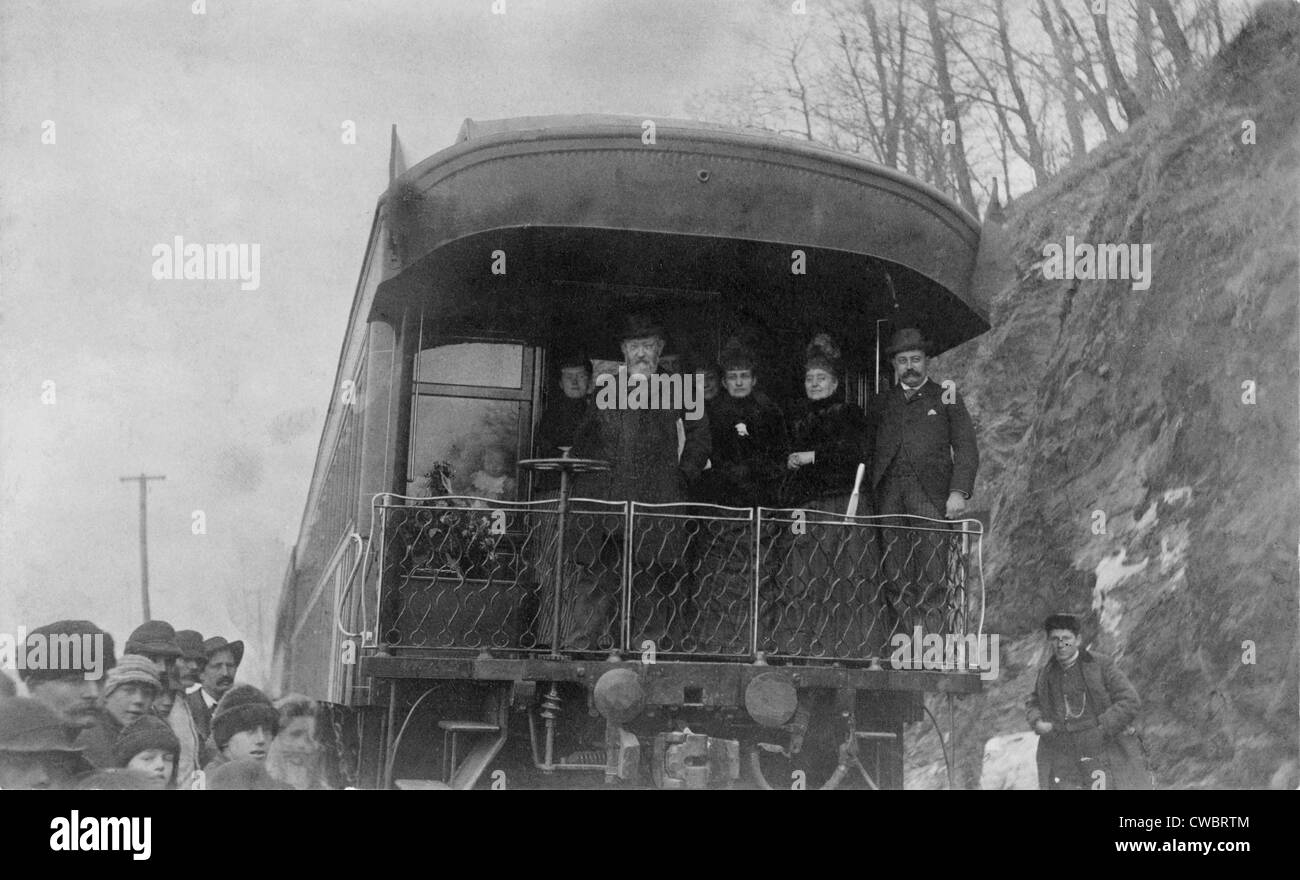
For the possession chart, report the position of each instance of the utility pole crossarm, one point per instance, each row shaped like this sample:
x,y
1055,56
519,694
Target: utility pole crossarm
x,y
143,480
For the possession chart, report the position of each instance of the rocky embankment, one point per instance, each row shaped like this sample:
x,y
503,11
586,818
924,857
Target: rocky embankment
x,y
1141,453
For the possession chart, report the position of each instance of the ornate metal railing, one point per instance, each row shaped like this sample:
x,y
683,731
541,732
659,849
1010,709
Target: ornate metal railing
x,y
686,580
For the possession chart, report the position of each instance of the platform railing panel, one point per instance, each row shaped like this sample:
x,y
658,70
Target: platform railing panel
x,y
681,580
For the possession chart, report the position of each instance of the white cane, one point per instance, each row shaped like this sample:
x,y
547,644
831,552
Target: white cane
x,y
857,491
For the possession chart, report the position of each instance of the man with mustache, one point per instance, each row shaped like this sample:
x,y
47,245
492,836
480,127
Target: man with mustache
x,y
192,749
222,659
1082,709
72,692
924,465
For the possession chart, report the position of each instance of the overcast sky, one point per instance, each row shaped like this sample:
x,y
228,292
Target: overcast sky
x,y
226,127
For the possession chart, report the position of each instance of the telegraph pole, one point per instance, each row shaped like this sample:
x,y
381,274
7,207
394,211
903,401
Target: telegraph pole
x,y
143,480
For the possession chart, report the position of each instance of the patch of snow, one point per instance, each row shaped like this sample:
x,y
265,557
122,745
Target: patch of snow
x,y
1182,493
1148,519
1010,763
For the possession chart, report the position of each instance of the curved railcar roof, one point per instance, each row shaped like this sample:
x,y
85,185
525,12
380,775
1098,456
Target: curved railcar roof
x,y
626,211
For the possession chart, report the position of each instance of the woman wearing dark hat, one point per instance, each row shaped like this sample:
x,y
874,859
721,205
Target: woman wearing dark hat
x,y
826,575
749,436
149,746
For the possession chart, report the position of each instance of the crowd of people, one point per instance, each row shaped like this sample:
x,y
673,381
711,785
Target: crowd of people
x,y
167,714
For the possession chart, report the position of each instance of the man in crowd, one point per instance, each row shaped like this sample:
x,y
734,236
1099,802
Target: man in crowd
x,y
924,465
156,640
192,746
192,659
72,691
35,750
641,446
129,692
221,663
1082,709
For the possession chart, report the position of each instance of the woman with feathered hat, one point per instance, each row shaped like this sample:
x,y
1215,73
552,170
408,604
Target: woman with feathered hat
x,y
826,578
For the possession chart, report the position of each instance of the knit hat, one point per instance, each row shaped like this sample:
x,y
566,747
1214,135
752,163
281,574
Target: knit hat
x,y
191,644
28,725
246,774
60,631
144,733
243,708
132,668
154,637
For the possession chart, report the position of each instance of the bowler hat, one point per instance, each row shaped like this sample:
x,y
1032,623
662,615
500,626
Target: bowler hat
x,y
909,339
61,629
155,638
637,326
217,643
191,644
28,725
242,708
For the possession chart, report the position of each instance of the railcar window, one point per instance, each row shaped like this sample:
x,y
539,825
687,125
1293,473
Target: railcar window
x,y
479,364
476,437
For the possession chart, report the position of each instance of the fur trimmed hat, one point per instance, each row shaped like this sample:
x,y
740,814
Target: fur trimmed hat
x,y
243,708
145,733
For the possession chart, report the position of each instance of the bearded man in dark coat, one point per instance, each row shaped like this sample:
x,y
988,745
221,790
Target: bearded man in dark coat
x,y
1082,709
655,455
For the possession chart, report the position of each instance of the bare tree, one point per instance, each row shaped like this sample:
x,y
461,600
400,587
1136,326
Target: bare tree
x,y
943,80
1144,79
1174,38
1069,91
1132,107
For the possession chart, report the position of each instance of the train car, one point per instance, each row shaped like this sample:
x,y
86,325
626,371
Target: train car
x,y
434,593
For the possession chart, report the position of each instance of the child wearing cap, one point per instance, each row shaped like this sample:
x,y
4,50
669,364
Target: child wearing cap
x,y
149,746
243,726
129,691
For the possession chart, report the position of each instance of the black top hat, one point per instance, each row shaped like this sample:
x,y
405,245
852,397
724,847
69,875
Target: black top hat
x,y
217,643
639,326
909,339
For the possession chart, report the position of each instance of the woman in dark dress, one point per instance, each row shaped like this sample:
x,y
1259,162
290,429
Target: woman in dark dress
x,y
747,462
828,567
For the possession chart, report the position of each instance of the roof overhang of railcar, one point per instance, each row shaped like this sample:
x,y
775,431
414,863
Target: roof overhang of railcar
x,y
587,202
